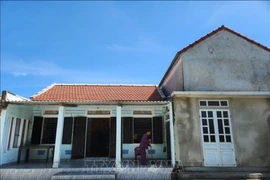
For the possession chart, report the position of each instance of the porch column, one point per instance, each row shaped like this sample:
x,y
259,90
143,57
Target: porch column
x,y
172,135
118,138
58,138
2,144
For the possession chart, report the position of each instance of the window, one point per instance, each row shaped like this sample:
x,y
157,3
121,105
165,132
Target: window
x,y
141,112
23,133
37,127
17,133
141,125
134,128
10,132
67,131
50,112
98,112
213,103
49,130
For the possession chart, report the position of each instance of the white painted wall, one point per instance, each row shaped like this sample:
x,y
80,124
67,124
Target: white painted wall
x,y
81,111
159,154
16,111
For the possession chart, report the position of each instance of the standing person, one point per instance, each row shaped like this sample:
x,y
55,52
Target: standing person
x,y
145,142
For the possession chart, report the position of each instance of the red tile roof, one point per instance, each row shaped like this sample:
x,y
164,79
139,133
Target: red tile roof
x,y
203,38
62,92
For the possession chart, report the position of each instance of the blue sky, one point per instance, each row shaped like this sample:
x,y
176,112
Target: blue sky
x,y
110,42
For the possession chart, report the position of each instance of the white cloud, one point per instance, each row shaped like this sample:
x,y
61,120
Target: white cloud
x,y
141,45
51,70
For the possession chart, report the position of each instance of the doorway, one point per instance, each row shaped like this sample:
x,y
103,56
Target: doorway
x,y
217,138
98,136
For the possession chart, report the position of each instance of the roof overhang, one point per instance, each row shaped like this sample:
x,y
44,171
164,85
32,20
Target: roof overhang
x,y
222,94
76,103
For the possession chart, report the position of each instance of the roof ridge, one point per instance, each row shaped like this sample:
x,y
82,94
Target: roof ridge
x,y
43,90
222,27
78,84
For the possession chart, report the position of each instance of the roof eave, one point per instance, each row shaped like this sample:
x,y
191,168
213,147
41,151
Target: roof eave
x,y
89,102
221,94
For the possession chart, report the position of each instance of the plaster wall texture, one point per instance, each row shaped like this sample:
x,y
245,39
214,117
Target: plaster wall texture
x,y
174,81
13,111
226,62
250,120
251,127
187,132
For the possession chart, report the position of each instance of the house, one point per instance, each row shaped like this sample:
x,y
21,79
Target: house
x,y
220,90
85,121
211,109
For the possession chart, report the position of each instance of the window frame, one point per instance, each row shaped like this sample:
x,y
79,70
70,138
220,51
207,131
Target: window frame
x,y
42,130
209,100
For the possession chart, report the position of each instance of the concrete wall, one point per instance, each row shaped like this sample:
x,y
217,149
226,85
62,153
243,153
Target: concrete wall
x,y
174,81
226,62
16,111
188,147
250,120
251,125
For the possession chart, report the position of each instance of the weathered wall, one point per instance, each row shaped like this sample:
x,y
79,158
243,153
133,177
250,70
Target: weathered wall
x,y
226,62
251,125
187,132
174,81
250,120
16,111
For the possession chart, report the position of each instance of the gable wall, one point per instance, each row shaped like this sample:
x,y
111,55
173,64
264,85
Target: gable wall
x,y
174,80
226,62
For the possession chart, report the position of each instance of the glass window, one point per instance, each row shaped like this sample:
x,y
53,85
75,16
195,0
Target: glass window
x,y
220,126
205,130
17,131
225,114
49,130
224,103
206,138
210,114
213,138
228,139
204,121
203,113
203,103
221,138
211,126
10,132
141,125
213,103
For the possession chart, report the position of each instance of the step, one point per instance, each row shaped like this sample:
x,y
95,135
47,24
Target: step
x,y
219,175
84,175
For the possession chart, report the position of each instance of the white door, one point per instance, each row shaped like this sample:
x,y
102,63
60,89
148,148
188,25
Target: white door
x,y
217,138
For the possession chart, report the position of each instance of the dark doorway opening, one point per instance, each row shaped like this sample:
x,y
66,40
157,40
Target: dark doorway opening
x,y
98,137
78,144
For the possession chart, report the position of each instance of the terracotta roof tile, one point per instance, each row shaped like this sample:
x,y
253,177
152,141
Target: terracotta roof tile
x,y
205,37
62,92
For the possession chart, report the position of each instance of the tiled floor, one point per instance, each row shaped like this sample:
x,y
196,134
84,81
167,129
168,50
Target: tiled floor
x,y
87,163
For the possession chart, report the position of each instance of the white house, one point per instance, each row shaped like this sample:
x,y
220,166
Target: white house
x,y
68,118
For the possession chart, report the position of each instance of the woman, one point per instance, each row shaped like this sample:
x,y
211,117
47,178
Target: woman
x,y
145,142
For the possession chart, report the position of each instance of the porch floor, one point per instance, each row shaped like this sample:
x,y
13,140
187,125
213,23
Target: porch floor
x,y
86,163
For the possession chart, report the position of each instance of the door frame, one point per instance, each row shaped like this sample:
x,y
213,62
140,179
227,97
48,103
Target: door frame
x,y
214,110
86,132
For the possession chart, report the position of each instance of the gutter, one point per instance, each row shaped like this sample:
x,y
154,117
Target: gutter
x,y
225,94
